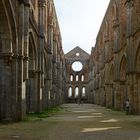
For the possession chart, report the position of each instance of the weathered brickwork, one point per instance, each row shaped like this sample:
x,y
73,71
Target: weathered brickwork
x,y
31,58
115,60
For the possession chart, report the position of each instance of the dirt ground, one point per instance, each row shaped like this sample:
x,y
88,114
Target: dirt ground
x,y
76,122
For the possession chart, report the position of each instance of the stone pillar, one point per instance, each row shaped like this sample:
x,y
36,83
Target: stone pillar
x,y
21,98
49,79
117,96
42,19
116,46
59,78
26,38
54,70
50,58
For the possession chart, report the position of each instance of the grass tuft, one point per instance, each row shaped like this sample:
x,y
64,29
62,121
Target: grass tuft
x,y
41,115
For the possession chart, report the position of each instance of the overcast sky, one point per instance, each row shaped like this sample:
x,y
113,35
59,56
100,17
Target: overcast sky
x,y
79,22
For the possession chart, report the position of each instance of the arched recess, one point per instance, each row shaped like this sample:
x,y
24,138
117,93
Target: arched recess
x,y
114,11
83,92
32,90
123,69
123,88
113,31
8,69
8,28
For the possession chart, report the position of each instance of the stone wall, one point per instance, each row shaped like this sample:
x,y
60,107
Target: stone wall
x,y
114,61
31,58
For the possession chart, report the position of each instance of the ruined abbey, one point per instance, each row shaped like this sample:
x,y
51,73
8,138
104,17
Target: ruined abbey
x,y
35,74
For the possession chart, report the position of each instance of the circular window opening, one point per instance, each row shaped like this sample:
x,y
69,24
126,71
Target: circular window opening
x,y
77,54
77,66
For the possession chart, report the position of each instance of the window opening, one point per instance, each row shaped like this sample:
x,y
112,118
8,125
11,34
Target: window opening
x,y
83,91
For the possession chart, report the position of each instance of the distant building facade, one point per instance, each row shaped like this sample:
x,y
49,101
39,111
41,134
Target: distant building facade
x,y
114,64
77,76
32,64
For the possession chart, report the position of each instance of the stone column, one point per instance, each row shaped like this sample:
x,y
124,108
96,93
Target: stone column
x,y
21,97
59,77
26,38
54,70
42,19
116,49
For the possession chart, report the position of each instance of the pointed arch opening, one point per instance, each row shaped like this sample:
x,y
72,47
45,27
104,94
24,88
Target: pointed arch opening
x,y
70,92
71,77
76,92
83,92
82,78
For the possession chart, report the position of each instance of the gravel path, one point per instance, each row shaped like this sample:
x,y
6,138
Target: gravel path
x,y
77,122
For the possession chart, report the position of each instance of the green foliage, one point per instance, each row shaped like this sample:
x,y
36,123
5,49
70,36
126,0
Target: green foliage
x,y
41,115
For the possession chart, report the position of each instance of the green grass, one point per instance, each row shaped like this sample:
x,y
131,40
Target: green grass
x,y
44,114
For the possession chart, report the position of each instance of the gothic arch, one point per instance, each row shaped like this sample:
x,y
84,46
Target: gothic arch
x,y
114,11
113,22
123,69
50,13
8,45
5,31
9,20
33,57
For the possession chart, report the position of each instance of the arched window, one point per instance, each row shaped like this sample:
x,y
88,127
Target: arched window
x,y
82,78
83,91
71,77
76,92
77,77
70,92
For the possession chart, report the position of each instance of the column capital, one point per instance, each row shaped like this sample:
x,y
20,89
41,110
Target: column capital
x,y
42,3
25,2
129,3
